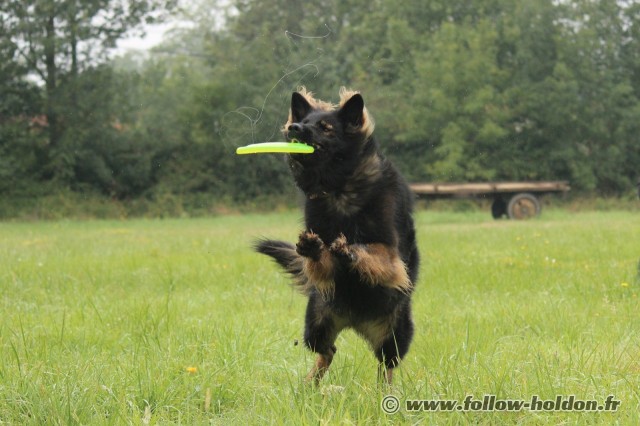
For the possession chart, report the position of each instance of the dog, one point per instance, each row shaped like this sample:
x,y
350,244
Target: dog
x,y
357,258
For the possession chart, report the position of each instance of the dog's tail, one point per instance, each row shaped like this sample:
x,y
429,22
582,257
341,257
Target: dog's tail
x,y
282,252
286,256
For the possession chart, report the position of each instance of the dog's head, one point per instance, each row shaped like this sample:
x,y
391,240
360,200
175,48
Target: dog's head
x,y
337,132
345,166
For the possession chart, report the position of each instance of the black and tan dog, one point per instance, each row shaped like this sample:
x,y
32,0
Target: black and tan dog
x,y
357,259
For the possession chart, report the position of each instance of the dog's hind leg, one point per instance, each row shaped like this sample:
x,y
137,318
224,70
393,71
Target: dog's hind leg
x,y
321,366
385,375
321,330
389,359
395,346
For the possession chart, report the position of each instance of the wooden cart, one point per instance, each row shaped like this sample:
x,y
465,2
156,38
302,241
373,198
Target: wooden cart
x,y
516,200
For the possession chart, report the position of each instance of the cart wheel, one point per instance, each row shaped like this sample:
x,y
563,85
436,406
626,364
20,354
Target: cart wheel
x,y
523,206
498,208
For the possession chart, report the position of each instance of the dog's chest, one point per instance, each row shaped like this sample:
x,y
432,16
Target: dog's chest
x,y
355,229
346,204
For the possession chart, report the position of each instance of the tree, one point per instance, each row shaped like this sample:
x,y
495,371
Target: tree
x,y
489,89
600,41
458,112
56,40
20,121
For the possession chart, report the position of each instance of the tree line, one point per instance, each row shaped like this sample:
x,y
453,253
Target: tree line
x,y
460,91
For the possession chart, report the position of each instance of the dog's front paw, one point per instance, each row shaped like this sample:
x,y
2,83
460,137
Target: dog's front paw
x,y
341,249
309,245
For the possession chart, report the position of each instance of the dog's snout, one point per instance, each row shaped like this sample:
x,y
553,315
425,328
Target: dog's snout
x,y
295,127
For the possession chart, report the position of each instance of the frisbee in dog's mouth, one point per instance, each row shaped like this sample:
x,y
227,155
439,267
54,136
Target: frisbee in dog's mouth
x,y
276,147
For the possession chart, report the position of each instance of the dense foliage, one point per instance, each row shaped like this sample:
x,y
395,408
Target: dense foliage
x,y
461,91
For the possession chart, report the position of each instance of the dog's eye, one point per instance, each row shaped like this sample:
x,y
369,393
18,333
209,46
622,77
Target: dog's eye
x,y
325,127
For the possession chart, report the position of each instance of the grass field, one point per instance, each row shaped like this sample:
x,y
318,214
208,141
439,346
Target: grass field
x,y
178,322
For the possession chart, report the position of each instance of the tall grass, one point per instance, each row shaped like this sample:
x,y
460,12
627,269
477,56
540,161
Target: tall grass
x,y
178,322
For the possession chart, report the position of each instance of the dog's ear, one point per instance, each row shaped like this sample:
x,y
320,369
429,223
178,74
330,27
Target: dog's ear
x,y
300,107
352,112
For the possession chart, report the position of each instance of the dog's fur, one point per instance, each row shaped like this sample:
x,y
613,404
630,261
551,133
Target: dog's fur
x,y
357,259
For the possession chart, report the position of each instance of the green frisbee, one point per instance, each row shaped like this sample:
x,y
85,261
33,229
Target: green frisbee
x,y
277,147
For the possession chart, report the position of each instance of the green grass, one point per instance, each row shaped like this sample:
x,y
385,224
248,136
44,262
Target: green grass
x,y
178,322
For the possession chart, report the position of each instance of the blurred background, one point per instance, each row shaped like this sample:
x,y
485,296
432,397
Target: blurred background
x,y
113,108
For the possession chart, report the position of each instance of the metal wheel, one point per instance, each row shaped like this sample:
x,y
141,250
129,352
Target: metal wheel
x,y
498,208
523,206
